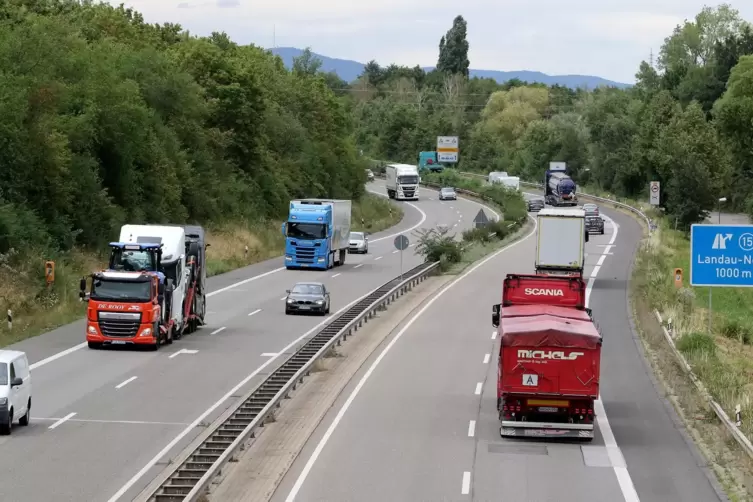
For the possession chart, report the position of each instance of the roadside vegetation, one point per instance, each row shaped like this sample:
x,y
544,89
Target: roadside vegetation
x,y
686,123
110,120
441,244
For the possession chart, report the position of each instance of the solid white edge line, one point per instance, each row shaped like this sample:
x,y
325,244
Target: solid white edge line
x,y
465,488
614,452
62,420
479,388
193,425
338,418
80,346
126,382
471,428
57,356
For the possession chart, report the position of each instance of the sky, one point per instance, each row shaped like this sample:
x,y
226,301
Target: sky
x,y
606,38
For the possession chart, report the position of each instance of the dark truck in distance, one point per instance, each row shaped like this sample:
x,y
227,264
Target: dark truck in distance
x,y
549,358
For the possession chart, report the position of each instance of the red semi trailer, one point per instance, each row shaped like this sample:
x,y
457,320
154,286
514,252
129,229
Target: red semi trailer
x,y
549,357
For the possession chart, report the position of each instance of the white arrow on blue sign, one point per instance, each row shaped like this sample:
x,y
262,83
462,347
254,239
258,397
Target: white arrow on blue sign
x,y
721,255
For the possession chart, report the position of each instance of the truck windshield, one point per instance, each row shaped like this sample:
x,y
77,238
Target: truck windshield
x,y
113,290
299,230
410,179
3,374
131,261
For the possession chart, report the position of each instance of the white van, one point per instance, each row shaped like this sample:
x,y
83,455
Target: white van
x,y
15,389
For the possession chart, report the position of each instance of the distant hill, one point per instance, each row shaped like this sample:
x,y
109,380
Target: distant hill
x,y
350,70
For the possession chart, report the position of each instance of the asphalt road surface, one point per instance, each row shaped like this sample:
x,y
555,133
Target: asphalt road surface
x,y
105,422
422,423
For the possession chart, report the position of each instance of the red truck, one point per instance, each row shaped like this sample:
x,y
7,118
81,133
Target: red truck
x,y
549,358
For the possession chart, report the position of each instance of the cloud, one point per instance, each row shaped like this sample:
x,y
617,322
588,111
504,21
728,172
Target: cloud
x,y
592,37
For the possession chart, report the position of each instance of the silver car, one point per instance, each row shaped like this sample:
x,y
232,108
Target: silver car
x,y
369,174
307,297
359,243
447,193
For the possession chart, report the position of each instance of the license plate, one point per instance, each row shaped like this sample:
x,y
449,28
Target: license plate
x,y
304,307
118,342
548,409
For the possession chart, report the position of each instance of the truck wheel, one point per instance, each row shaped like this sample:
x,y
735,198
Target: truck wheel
x,y
331,261
169,337
177,334
342,257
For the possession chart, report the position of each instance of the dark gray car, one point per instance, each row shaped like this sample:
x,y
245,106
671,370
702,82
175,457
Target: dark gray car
x,y
535,205
595,224
308,297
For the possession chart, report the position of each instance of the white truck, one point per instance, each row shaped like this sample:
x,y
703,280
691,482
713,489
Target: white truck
x,y
495,176
173,240
560,247
509,182
402,181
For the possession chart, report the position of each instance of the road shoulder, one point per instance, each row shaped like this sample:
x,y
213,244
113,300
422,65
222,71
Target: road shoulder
x,y
257,473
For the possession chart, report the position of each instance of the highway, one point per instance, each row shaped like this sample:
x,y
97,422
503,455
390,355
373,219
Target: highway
x,y
105,422
419,420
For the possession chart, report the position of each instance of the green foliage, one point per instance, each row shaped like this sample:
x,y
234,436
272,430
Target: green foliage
x,y
697,343
107,120
686,123
453,49
439,245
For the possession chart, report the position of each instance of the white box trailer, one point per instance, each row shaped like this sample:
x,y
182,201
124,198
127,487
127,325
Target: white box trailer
x,y
340,219
561,240
496,176
402,181
510,182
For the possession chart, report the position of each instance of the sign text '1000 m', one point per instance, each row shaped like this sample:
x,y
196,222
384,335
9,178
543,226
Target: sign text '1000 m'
x,y
721,255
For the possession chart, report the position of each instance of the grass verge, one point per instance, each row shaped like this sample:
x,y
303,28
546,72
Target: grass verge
x,y
722,360
37,309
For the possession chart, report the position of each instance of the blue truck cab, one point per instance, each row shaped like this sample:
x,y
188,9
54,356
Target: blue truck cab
x,y
317,233
430,161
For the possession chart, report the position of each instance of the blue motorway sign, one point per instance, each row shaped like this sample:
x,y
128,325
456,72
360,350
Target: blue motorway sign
x,y
721,255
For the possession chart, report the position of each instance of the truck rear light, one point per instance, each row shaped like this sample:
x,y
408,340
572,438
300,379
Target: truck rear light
x,y
590,411
517,408
504,408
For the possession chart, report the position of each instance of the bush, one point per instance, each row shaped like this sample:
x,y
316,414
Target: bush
x,y
437,245
697,343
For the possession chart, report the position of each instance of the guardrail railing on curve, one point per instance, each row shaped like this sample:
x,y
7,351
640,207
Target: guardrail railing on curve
x,y
196,467
718,410
605,200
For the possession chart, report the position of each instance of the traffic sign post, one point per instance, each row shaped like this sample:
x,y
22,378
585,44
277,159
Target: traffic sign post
x,y
480,220
401,244
721,256
655,193
447,149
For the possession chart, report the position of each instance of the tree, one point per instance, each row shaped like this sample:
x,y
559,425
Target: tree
x,y
453,49
307,64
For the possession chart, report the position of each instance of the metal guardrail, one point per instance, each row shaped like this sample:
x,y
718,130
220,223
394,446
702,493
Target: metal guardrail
x,y
605,200
731,426
196,467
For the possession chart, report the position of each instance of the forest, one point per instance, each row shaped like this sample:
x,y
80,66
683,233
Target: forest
x,y
687,122
108,119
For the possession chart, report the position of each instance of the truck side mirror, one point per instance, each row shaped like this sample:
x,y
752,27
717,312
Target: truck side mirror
x,y
82,285
495,315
